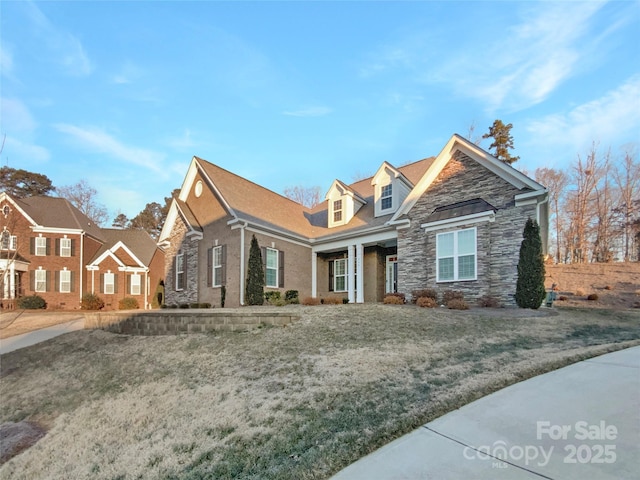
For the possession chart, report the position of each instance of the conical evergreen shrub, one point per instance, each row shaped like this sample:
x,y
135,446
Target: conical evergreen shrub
x,y
255,275
530,291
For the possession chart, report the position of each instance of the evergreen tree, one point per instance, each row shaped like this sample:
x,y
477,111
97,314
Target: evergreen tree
x,y
530,291
255,276
502,141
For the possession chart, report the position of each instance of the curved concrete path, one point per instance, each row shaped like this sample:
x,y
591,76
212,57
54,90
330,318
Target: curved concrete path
x,y
36,336
579,422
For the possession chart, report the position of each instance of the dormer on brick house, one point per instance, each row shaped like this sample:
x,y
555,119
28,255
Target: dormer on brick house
x,y
344,203
391,188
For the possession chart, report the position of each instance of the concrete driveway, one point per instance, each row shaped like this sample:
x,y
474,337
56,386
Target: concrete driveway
x,y
579,422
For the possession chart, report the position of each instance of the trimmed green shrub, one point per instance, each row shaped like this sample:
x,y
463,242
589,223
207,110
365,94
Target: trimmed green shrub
x,y
272,295
184,305
223,295
345,300
128,303
32,302
158,297
291,296
530,291
592,296
91,301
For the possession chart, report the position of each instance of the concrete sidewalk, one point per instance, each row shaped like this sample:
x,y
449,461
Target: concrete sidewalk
x,y
36,336
579,422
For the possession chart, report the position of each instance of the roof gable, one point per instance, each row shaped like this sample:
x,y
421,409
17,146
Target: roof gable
x,y
458,143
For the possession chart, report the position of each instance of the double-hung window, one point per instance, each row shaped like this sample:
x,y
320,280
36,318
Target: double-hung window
x,y
386,197
109,283
456,255
180,271
65,247
65,281
41,246
271,271
9,242
340,275
337,210
135,284
217,266
41,280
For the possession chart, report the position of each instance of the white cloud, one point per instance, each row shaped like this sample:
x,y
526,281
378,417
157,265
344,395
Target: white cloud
x,y
609,120
309,112
16,118
16,148
184,141
100,141
6,60
63,47
127,74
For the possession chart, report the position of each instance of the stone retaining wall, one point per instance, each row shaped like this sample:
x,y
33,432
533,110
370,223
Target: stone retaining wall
x,y
173,322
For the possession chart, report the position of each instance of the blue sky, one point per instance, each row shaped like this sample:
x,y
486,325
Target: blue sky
x,y
123,94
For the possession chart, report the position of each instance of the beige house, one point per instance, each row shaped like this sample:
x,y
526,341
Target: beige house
x,y
454,221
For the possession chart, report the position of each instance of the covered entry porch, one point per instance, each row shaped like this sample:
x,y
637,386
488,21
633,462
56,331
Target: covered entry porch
x,y
360,269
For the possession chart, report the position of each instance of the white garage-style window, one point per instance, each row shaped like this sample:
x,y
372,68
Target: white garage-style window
x,y
456,255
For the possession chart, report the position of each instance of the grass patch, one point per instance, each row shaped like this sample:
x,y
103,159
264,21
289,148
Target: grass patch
x,y
297,402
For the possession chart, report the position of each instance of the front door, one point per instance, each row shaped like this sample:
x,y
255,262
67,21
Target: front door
x,y
392,274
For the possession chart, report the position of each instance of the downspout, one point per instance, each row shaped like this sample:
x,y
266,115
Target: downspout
x,y
242,264
81,264
147,289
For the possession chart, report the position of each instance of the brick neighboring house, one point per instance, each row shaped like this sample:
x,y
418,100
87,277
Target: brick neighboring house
x,y
51,249
454,221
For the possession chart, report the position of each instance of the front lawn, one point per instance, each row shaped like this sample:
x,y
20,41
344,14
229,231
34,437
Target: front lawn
x,y
297,402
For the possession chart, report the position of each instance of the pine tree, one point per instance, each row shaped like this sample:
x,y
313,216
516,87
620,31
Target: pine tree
x,y
255,275
530,291
502,141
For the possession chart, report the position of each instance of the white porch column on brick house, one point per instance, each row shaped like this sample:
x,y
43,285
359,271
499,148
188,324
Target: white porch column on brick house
x,y
314,274
351,273
359,270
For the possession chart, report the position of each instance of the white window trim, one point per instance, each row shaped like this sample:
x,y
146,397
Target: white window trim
x,y
13,242
137,284
111,283
179,270
335,210
42,248
65,278
456,256
217,255
41,281
345,275
65,249
383,197
267,267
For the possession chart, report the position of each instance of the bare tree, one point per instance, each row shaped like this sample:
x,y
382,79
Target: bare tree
x,y
627,180
471,134
604,214
584,176
307,196
556,183
83,197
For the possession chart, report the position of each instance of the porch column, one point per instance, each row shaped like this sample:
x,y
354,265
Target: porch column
x,y
360,273
314,274
351,273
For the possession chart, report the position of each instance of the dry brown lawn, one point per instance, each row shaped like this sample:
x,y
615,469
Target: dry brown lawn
x,y
297,402
17,322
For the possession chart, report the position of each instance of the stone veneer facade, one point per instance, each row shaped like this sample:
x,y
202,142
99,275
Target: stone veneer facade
x,y
498,242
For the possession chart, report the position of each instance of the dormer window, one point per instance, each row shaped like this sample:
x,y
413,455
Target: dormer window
x,y
337,211
386,197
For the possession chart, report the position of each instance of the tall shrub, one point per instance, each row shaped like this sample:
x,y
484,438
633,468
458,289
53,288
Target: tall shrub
x,y
530,292
255,275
